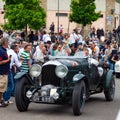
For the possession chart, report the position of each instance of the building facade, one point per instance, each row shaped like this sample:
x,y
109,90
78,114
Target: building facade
x,y
110,14
109,19
57,11
1,12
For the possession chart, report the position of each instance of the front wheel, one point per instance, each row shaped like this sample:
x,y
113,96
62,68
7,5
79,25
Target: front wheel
x,y
78,98
21,100
110,91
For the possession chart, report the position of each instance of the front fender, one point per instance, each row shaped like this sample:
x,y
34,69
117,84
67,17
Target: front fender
x,y
19,75
108,79
78,77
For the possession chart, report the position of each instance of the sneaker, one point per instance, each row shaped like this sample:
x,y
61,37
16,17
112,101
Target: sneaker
x,y
8,102
2,104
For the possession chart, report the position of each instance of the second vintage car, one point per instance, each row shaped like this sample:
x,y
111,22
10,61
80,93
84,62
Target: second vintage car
x,y
64,80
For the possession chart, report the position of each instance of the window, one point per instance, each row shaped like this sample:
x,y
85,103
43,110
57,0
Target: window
x,y
62,14
101,16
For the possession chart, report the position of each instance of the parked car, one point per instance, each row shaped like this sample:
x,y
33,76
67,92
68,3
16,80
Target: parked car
x,y
64,80
117,69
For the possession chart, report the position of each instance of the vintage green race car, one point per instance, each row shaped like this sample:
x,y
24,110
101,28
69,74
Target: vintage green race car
x,y
64,80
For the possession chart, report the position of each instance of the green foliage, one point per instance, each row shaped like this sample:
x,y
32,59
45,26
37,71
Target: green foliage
x,y
118,1
83,12
20,13
6,26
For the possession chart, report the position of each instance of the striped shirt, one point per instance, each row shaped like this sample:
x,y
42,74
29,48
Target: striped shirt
x,y
25,58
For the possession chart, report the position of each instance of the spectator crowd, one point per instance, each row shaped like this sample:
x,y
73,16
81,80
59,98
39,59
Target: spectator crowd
x,y
21,54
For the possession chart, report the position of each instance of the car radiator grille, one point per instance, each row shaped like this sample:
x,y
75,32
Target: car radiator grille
x,y
49,76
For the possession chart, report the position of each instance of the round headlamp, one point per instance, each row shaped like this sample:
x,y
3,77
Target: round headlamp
x,y
35,70
61,71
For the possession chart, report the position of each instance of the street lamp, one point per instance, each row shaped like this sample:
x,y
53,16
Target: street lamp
x,y
58,17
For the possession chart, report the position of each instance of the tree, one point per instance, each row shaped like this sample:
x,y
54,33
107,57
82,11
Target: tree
x,y
118,1
83,12
21,13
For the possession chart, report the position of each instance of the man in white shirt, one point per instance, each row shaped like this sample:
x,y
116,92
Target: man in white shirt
x,y
46,37
80,40
39,54
73,37
14,56
13,64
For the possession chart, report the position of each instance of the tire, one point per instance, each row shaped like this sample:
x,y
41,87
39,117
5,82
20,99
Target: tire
x,y
79,97
110,92
22,102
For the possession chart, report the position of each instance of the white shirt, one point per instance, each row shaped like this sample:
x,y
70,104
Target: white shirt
x,y
14,58
72,38
90,51
97,50
46,38
5,35
38,56
20,51
61,29
60,53
80,38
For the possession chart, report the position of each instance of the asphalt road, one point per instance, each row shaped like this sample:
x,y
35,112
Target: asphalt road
x,y
96,108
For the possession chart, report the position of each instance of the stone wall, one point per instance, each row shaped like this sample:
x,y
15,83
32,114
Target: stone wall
x,y
110,14
44,4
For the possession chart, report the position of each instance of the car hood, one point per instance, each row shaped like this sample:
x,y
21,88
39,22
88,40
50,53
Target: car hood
x,y
67,62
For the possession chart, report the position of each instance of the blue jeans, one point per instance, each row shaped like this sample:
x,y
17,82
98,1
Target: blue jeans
x,y
119,36
111,65
10,87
